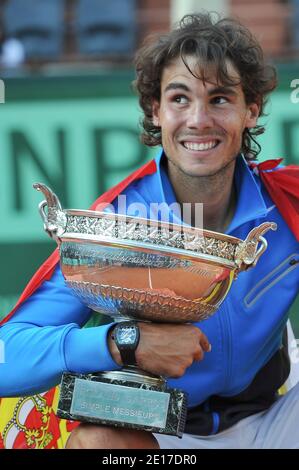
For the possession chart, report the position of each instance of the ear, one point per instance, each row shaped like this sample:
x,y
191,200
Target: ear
x,y
253,112
156,113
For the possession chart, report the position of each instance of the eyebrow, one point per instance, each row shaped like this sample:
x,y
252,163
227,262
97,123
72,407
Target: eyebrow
x,y
223,90
219,90
176,86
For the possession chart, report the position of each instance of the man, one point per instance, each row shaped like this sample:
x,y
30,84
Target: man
x,y
202,89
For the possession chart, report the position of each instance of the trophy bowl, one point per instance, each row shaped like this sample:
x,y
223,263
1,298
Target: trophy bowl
x,y
145,270
134,268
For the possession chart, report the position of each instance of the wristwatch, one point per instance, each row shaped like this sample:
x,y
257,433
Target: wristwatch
x,y
126,336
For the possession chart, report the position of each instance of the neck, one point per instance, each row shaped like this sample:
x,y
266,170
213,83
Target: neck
x,y
215,192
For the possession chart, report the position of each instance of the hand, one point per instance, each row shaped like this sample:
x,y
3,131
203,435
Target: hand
x,y
166,349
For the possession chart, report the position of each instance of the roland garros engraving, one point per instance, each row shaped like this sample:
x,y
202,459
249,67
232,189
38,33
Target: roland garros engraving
x,y
134,230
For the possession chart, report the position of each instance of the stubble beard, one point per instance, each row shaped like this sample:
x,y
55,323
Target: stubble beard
x,y
214,180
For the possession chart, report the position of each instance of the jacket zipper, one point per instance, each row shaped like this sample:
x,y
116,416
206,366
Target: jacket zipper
x,y
278,273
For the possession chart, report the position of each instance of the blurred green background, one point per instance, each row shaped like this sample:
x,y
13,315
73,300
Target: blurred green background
x,y
79,134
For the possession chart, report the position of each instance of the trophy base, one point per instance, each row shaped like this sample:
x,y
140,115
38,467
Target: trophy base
x,y
127,399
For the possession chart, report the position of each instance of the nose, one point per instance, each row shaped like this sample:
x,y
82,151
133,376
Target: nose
x,y
199,117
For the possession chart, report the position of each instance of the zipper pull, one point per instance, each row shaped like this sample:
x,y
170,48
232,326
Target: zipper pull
x,y
294,261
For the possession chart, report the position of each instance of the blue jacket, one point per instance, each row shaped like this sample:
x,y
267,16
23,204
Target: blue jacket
x,y
45,338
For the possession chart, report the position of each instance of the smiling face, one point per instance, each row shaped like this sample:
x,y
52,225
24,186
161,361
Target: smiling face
x,y
201,123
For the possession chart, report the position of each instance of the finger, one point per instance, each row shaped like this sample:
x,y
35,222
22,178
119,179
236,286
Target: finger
x,y
198,354
205,343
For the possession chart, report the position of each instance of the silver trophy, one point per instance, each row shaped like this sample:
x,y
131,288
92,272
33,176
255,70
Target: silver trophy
x,y
145,270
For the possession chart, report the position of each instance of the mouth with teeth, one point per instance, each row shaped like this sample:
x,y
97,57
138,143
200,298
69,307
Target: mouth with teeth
x,y
200,146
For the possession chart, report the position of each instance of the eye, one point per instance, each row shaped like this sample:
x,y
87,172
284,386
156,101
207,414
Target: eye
x,y
220,100
180,99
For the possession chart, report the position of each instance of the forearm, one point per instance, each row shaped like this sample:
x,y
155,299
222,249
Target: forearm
x,y
36,357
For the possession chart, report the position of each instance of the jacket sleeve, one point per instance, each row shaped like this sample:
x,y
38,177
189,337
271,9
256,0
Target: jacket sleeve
x,y
44,338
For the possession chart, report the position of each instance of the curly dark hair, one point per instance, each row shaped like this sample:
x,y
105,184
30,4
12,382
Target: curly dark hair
x,y
213,40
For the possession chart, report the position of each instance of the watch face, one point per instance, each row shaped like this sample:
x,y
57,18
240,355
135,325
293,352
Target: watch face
x,y
126,335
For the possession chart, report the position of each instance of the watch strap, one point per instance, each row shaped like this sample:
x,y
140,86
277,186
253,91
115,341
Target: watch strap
x,y
128,357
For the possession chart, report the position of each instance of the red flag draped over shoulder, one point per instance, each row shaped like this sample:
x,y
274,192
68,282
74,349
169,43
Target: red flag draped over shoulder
x,y
282,185
41,428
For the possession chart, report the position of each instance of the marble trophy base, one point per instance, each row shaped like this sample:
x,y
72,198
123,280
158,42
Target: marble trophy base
x,y
124,399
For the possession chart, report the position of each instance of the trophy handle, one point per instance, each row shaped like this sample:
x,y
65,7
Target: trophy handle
x,y
250,250
54,218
